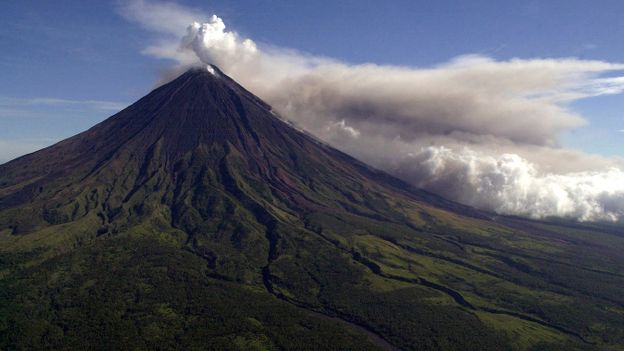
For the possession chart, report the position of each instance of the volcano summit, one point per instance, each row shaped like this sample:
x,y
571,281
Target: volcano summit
x,y
196,218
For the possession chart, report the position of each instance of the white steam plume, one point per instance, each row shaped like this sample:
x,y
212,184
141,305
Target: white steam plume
x,y
479,131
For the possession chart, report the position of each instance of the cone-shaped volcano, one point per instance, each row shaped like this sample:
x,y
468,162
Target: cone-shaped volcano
x,y
202,122
196,218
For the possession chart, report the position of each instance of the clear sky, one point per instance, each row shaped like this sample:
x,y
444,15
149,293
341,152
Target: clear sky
x,y
67,64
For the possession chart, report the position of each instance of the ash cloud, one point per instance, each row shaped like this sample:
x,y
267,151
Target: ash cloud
x,y
476,130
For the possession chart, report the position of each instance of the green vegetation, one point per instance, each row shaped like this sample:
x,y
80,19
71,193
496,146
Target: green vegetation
x,y
163,228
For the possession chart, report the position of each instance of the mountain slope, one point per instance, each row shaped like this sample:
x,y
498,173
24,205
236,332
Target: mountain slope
x,y
196,218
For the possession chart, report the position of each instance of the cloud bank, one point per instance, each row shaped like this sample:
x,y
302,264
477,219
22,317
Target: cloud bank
x,y
476,130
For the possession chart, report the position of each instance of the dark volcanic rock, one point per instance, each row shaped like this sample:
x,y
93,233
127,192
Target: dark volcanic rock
x,y
198,219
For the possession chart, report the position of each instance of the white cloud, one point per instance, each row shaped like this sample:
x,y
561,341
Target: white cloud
x,y
478,130
509,184
162,17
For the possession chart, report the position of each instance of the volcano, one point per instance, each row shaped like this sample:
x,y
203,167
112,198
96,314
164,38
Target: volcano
x,y
198,218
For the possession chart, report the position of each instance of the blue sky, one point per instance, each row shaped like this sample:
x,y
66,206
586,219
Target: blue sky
x,y
66,65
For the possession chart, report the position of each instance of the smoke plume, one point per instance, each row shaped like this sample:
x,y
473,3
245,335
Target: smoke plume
x,y
476,130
